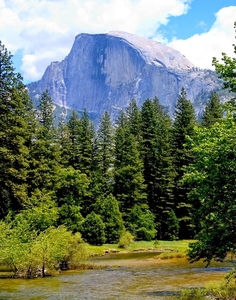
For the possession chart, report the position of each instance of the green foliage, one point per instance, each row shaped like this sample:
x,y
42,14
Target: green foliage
x,y
40,211
103,157
213,111
71,141
172,226
212,178
44,151
129,187
45,114
125,240
183,127
93,229
29,253
140,222
108,209
156,154
70,189
54,246
87,135
192,294
226,290
14,136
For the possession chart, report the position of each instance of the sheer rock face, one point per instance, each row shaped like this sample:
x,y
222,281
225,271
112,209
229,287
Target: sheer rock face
x,y
105,71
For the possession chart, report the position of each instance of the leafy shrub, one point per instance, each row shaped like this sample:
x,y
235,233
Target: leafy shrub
x,y
140,223
143,234
125,240
93,229
108,210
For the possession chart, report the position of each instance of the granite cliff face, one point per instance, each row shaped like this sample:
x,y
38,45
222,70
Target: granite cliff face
x,y
105,71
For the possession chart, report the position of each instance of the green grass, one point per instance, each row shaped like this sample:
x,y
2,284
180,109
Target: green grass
x,y
226,290
169,248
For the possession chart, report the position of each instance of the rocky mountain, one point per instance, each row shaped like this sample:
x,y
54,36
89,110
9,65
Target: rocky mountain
x,y
105,71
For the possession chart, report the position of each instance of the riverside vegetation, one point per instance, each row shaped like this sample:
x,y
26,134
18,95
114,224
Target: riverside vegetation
x,y
147,177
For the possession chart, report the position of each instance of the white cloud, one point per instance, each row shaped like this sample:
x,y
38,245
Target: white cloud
x,y
44,30
201,48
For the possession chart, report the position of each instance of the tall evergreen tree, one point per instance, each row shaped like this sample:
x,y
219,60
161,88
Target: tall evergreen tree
x,y
44,150
183,127
74,131
86,140
103,161
156,152
63,140
213,111
15,109
134,119
129,187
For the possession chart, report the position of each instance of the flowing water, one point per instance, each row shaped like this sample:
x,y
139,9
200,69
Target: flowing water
x,y
126,276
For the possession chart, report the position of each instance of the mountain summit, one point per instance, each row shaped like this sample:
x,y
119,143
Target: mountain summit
x,y
105,71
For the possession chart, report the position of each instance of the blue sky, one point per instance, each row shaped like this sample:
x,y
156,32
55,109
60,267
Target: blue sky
x,y
199,19
38,32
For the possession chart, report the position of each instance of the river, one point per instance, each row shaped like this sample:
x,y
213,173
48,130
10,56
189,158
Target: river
x,y
135,276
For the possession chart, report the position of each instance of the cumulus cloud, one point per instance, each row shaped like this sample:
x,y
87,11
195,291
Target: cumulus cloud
x,y
201,48
44,30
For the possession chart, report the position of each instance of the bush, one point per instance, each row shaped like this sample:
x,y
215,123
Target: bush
x,y
125,240
108,210
93,229
140,223
143,234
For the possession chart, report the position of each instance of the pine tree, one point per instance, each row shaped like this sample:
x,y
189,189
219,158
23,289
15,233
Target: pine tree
x,y
129,187
156,152
15,110
213,111
103,156
74,131
63,141
183,127
44,150
86,140
134,119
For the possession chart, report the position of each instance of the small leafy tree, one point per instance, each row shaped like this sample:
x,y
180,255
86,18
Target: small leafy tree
x,y
16,243
140,223
71,188
108,209
93,229
172,226
55,246
212,177
212,180
29,253
40,211
125,240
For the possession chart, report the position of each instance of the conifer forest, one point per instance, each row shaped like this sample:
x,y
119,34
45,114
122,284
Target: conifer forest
x,y
148,174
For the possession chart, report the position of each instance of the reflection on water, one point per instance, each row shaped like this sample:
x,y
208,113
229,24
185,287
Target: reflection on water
x,y
138,276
